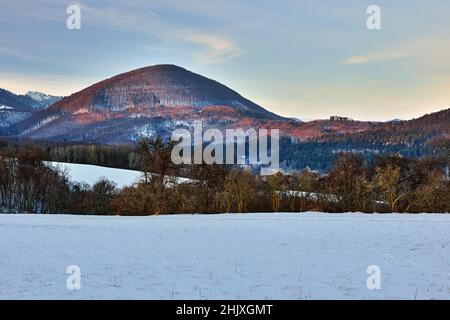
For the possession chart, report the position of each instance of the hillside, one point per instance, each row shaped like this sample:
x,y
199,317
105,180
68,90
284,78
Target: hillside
x,y
146,101
415,131
15,108
155,100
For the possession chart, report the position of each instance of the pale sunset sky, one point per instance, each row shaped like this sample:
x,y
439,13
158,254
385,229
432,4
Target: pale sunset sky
x,y
297,58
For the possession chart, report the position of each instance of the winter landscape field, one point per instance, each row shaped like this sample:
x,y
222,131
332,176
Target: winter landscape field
x,y
228,256
224,150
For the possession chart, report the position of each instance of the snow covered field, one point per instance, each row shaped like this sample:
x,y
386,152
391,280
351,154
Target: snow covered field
x,y
252,256
90,174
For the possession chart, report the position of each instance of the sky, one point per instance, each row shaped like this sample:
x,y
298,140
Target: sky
x,y
297,58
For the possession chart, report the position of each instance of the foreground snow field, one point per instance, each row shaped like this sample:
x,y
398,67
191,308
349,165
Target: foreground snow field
x,y
235,256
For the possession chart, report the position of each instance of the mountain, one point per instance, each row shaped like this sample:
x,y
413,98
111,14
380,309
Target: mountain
x,y
315,144
416,131
153,101
41,100
15,108
147,101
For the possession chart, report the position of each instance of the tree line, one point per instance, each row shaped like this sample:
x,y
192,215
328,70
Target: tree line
x,y
389,183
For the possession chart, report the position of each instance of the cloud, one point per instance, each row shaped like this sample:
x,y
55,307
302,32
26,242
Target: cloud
x,y
377,56
428,53
214,48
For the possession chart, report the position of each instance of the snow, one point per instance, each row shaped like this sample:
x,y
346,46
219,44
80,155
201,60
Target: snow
x,y
37,96
3,107
9,116
40,124
41,100
90,174
81,111
40,97
145,130
229,256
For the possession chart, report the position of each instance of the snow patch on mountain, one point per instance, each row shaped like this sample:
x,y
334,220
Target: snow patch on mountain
x,y
40,124
42,100
145,131
9,117
81,111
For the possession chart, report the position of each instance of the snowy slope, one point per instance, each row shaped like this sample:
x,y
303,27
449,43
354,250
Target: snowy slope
x,y
254,256
9,116
90,174
41,100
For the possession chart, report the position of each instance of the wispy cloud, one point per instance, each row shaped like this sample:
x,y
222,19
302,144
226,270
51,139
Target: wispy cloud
x,y
377,56
214,48
430,52
211,47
